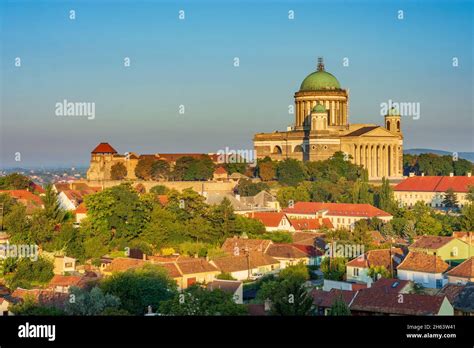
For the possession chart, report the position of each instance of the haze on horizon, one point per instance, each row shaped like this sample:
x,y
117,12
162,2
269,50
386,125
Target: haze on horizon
x,y
190,62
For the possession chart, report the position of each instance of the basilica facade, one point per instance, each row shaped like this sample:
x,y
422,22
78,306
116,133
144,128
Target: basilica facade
x,y
322,128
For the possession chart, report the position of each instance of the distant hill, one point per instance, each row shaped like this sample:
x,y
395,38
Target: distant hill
x,y
466,155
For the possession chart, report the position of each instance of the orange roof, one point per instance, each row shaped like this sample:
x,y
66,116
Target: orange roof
x,y
63,280
23,195
422,262
435,184
121,264
230,244
81,209
390,285
337,209
431,242
306,238
379,257
104,148
220,170
163,199
464,270
195,265
310,224
378,300
286,251
269,219
242,262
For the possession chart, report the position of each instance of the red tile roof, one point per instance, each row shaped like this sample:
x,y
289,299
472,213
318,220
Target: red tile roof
x,y
306,238
81,209
464,270
309,250
379,257
63,280
390,285
451,291
269,219
421,262
378,300
337,209
229,286
327,298
220,170
23,195
310,224
285,251
195,265
104,148
230,245
230,264
435,184
431,242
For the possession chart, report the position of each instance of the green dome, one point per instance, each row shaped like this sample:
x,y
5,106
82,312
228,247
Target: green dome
x,y
319,80
319,108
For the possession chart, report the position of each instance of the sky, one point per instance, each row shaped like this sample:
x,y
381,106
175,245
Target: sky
x,y
407,56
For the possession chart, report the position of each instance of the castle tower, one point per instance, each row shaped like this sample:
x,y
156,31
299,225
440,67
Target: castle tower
x,y
392,121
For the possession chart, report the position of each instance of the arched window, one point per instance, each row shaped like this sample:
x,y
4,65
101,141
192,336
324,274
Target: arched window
x,y
388,124
298,148
277,150
398,125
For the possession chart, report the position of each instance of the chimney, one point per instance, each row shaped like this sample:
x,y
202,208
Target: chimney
x,y
469,174
411,175
267,305
451,175
422,174
237,197
144,257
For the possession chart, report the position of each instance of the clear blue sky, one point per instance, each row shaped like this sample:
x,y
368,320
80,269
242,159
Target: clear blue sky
x,y
190,62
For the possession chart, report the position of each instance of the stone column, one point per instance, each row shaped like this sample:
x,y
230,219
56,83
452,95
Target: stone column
x,y
369,160
362,157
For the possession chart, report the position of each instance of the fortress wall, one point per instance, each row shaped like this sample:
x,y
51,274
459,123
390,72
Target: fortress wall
x,y
198,186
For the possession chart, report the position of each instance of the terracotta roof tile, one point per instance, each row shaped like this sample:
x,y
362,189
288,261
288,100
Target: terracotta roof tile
x,y
230,245
195,265
464,270
435,184
269,219
421,262
337,209
431,242
379,257
230,264
310,224
104,148
286,251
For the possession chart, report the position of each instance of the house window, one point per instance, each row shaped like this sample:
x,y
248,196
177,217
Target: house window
x,y
454,252
439,283
68,264
355,272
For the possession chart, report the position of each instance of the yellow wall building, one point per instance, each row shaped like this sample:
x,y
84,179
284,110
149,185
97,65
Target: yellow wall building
x,y
322,128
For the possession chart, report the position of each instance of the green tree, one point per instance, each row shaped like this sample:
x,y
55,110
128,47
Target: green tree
x,y
144,166
52,209
467,217
30,307
291,194
339,307
140,288
159,190
298,272
160,170
450,199
248,188
290,172
29,272
118,171
266,169
290,298
93,302
376,272
196,300
17,225
470,194
223,218
14,181
384,198
333,268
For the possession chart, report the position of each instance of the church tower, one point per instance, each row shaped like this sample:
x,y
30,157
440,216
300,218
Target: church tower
x,y
392,121
319,118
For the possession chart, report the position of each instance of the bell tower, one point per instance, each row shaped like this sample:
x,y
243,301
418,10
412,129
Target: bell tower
x,y
392,121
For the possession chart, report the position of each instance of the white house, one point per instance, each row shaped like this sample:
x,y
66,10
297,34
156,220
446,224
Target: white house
x,y
341,215
426,270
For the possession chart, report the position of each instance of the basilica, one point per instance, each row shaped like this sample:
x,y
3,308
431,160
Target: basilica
x,y
322,128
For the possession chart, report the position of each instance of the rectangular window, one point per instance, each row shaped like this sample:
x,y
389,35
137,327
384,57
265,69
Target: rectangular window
x,y
355,272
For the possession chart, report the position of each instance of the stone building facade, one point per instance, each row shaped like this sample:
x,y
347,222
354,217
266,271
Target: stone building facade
x,y
322,128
